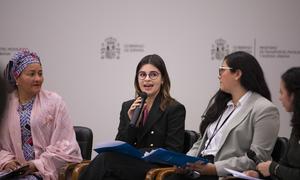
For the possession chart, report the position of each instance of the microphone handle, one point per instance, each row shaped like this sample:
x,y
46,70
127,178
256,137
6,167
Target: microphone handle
x,y
252,155
256,160
135,116
137,113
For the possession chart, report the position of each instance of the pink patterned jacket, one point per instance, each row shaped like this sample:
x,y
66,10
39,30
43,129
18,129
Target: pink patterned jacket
x,y
52,133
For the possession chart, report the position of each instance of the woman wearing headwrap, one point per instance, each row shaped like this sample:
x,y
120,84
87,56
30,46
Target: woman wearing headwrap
x,y
36,129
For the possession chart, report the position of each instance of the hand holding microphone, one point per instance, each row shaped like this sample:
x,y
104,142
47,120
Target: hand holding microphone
x,y
261,166
137,106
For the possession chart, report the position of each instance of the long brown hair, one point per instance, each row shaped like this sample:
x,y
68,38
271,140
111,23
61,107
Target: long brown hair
x,y
159,63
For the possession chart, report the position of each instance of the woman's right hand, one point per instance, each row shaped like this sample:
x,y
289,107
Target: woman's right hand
x,y
251,173
181,170
31,168
133,106
12,165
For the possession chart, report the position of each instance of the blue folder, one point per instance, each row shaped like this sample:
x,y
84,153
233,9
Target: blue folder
x,y
164,156
159,155
119,146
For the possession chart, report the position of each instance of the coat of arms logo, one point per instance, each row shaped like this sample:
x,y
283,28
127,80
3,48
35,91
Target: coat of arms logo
x,y
110,49
220,49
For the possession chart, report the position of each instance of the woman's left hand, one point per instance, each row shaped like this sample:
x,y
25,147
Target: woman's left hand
x,y
203,169
32,168
263,168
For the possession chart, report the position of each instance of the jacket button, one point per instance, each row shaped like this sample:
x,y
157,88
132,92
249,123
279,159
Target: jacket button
x,y
134,143
152,132
151,145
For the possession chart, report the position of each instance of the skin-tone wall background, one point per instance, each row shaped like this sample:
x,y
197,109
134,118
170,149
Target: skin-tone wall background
x,y
72,41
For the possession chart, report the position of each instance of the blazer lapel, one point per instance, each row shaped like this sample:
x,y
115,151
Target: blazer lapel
x,y
239,117
154,115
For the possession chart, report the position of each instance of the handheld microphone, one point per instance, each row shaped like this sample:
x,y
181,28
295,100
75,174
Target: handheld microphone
x,y
252,155
138,110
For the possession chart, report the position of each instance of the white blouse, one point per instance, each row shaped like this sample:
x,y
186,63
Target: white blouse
x,y
214,134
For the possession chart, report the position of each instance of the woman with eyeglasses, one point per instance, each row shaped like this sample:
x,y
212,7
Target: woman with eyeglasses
x,y
161,124
36,130
288,168
239,117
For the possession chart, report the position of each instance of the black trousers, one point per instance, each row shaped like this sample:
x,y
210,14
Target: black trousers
x,y
116,166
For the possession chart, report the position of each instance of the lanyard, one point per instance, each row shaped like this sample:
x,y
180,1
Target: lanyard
x,y
216,130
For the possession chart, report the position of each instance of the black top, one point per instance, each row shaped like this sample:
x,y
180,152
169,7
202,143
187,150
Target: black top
x,y
289,167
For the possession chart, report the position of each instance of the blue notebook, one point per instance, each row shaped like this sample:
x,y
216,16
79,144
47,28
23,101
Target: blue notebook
x,y
159,155
119,146
164,156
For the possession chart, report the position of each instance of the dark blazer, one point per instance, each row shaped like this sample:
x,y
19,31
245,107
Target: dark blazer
x,y
289,167
162,129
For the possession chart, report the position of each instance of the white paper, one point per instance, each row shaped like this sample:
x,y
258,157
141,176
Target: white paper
x,y
240,175
109,144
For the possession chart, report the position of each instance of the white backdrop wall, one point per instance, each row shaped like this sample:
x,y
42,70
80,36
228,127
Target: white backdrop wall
x,y
69,35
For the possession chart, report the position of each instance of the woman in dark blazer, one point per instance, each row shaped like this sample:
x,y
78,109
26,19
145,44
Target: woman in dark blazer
x,y
161,124
289,167
161,129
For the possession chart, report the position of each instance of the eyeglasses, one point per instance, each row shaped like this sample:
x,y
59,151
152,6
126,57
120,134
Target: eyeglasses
x,y
223,68
152,75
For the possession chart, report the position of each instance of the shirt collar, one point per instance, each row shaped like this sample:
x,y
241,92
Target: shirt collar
x,y
241,101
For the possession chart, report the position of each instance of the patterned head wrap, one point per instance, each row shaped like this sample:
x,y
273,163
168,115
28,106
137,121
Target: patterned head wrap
x,y
18,63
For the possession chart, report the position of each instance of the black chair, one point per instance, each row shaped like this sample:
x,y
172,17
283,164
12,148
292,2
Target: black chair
x,y
190,137
280,148
84,137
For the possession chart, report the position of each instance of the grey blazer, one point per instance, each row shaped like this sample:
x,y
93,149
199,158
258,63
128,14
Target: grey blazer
x,y
254,127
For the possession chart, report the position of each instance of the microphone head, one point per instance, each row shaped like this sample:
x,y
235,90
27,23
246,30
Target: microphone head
x,y
143,95
251,154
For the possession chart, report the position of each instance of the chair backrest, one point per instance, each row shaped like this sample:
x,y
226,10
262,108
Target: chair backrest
x,y
190,137
84,137
280,148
